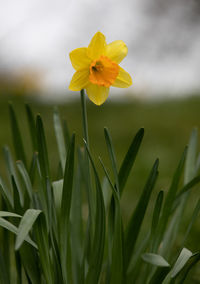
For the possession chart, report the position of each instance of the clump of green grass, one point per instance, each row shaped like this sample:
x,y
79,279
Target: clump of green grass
x,y
70,229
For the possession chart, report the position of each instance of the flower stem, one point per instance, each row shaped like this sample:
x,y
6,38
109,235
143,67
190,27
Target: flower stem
x,y
90,193
84,117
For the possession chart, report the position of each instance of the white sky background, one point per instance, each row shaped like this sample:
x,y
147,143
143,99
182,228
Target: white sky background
x,y
163,38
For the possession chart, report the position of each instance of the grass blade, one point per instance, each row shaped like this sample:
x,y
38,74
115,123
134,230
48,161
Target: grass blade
x,y
66,205
112,156
159,275
9,214
155,219
68,183
187,187
66,133
77,228
17,140
59,137
96,260
57,194
168,205
116,270
181,261
9,226
42,239
135,222
181,277
25,225
6,194
42,148
136,261
4,274
17,205
129,159
12,172
30,264
32,127
155,259
25,178
190,164
192,221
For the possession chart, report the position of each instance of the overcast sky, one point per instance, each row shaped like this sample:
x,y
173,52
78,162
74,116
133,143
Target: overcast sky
x,y
163,38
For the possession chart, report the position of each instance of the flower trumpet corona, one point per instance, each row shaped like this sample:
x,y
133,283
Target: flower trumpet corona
x,y
97,68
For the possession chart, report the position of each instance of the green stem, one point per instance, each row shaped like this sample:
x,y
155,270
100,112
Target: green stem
x,y
90,193
84,117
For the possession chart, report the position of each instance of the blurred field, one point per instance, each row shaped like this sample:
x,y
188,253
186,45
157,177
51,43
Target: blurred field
x,y
167,124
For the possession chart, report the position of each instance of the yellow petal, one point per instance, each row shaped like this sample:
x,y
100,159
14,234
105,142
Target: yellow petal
x,y
116,51
97,94
123,79
97,45
79,80
79,58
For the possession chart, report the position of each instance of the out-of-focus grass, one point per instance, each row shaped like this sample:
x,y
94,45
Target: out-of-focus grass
x,y
167,124
167,127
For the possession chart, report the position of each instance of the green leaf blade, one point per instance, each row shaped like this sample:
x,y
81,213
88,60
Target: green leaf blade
x,y
129,159
137,217
17,139
32,127
25,225
181,261
96,260
112,156
10,227
155,259
42,148
65,208
115,246
59,137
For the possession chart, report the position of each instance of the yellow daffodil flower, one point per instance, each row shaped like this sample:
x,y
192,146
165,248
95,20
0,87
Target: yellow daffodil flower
x,y
97,68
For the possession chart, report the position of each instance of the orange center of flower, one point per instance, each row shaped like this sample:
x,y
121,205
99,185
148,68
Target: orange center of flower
x,y
103,71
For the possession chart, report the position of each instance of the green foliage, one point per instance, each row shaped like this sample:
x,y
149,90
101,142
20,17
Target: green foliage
x,y
71,230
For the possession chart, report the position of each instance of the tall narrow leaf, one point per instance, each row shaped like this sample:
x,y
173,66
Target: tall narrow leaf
x,y
116,274
77,227
112,156
192,261
32,127
17,140
167,208
159,275
42,239
59,137
12,172
25,177
7,196
190,164
181,261
155,219
42,148
138,215
4,274
192,221
66,205
129,159
31,264
95,264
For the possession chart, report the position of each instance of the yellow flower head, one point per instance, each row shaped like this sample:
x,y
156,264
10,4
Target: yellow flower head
x,y
97,68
